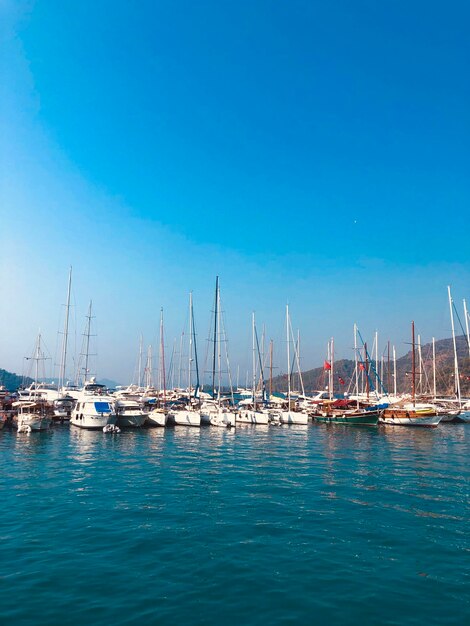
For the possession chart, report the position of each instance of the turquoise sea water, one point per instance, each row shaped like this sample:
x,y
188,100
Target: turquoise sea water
x,y
280,525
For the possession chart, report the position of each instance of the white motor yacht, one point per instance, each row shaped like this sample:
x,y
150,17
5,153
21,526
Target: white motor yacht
x,y
94,408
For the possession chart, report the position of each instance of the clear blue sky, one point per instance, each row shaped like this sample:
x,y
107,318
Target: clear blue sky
x,y
310,152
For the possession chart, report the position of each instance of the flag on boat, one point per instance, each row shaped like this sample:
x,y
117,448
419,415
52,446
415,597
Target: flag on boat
x,y
326,365
362,367
341,381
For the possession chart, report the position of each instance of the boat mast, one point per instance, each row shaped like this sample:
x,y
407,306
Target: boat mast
x,y
332,368
377,360
139,380
190,343
214,356
219,348
162,359
466,324
180,359
420,361
366,371
270,369
456,362
394,372
253,359
434,368
63,360
413,364
356,369
196,364
288,357
388,367
87,339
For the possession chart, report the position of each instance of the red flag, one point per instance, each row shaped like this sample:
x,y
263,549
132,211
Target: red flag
x,y
362,367
326,365
341,381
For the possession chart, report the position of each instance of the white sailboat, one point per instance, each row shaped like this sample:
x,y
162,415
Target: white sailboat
x,y
214,411
190,415
289,416
252,415
159,415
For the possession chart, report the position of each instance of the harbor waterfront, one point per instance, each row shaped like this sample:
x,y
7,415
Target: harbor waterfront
x,y
253,525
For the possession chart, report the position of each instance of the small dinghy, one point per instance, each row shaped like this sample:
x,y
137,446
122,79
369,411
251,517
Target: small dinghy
x,y
111,428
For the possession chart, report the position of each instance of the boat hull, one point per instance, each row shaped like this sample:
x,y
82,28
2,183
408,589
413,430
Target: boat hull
x,y
367,418
34,422
93,422
400,417
252,417
186,418
131,420
157,418
290,417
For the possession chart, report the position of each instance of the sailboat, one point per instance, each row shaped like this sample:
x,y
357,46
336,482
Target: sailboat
x,y
34,411
63,404
214,411
253,415
190,415
159,415
411,413
289,416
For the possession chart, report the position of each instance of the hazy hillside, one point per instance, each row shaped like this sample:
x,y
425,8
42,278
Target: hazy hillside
x,y
12,381
317,378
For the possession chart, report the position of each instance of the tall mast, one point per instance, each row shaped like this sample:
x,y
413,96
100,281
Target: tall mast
x,y
214,357
162,359
63,360
377,360
366,371
456,362
190,358
413,364
434,368
219,348
270,369
388,367
148,368
332,368
394,372
288,357
38,356
356,368
254,359
87,338
420,361
139,380
193,333
466,324
180,359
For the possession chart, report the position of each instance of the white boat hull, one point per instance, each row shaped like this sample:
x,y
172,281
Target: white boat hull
x,y
186,418
157,418
222,419
290,417
252,417
93,422
131,420
33,422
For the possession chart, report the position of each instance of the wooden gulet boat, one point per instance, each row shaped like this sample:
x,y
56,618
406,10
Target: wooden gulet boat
x,y
411,413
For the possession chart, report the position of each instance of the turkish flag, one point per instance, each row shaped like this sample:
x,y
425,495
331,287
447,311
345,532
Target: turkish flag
x,y
326,365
